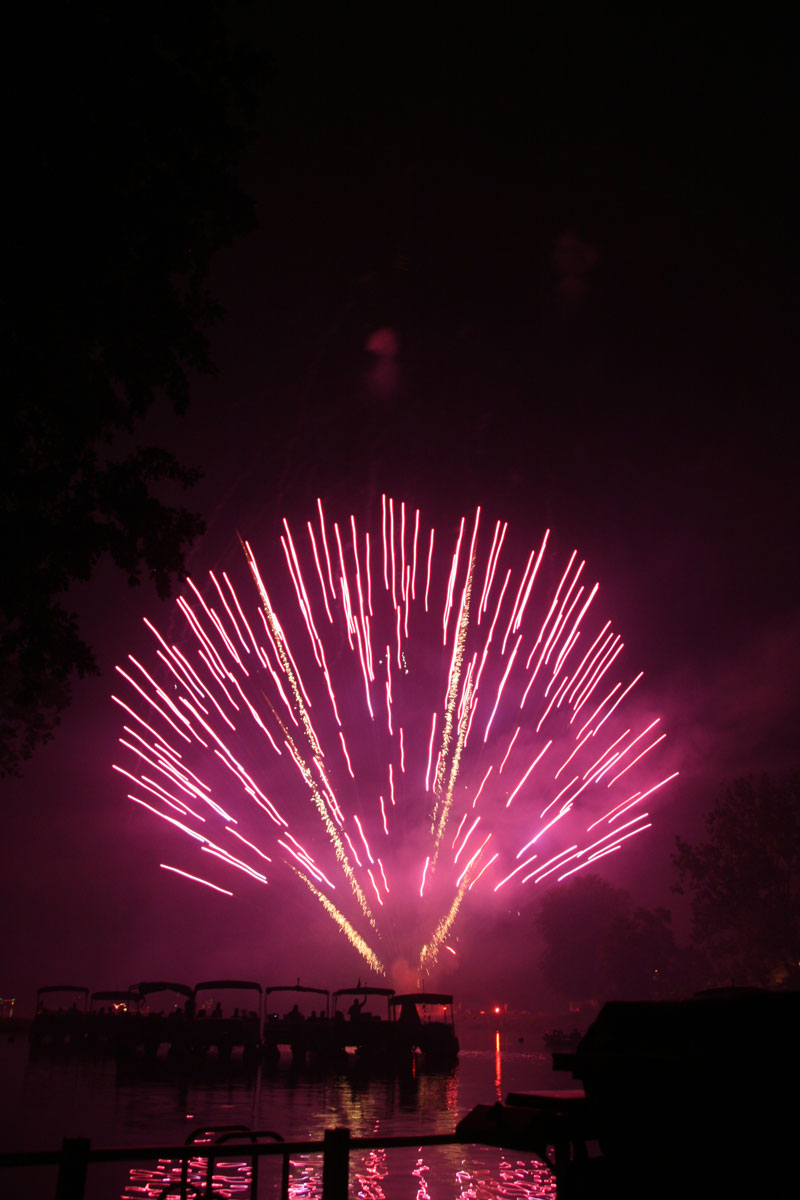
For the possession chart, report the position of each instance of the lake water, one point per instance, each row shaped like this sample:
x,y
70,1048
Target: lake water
x,y
44,1099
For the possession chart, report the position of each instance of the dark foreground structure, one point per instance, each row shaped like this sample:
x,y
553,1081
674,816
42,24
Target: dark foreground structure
x,y
693,1098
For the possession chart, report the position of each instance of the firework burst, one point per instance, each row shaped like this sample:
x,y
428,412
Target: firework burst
x,y
415,720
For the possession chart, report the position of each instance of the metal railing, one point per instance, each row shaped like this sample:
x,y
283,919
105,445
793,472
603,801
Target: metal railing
x,y
77,1155
554,1126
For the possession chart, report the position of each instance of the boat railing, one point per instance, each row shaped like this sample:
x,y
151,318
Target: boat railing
x,y
76,1155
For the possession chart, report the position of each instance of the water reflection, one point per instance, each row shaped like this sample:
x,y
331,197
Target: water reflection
x,y
369,1173
419,1174
465,1173
367,1106
161,1102
305,1180
230,1178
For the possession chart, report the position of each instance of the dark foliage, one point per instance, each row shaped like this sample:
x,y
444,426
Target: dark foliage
x,y
598,947
125,129
573,920
638,959
744,880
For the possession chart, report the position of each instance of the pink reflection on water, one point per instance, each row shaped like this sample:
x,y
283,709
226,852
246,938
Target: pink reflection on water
x,y
305,1178
477,1173
419,1175
498,1066
370,1171
522,1179
230,1179
374,1176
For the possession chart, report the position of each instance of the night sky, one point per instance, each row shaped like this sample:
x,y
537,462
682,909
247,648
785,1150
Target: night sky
x,y
581,236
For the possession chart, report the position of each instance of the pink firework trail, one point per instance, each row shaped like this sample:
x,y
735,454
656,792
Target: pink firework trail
x,y
389,740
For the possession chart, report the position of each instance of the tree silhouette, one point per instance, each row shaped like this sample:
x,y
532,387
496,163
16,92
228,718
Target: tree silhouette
x,y
599,947
640,960
126,129
574,919
744,880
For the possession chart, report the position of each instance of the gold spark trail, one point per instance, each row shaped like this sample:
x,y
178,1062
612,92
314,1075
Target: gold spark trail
x,y
330,827
444,799
429,953
352,935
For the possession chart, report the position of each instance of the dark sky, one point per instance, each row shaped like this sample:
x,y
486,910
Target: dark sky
x,y
581,236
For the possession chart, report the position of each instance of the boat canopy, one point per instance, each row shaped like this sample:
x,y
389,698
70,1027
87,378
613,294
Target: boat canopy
x,y
62,987
228,983
421,998
145,989
117,996
296,987
364,991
